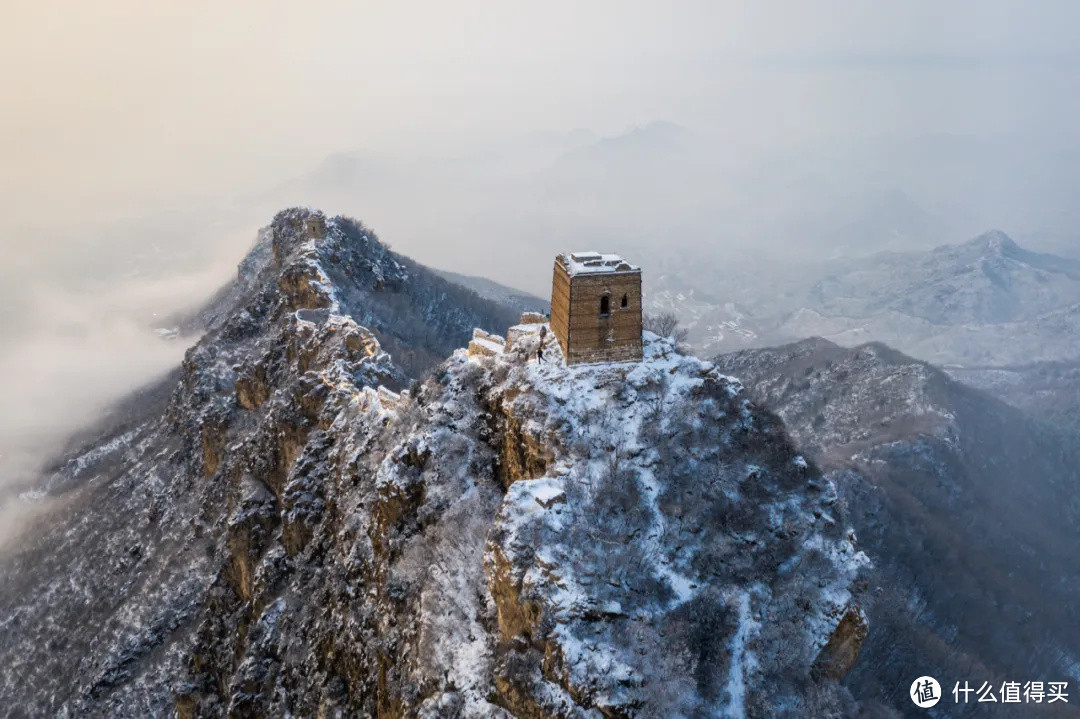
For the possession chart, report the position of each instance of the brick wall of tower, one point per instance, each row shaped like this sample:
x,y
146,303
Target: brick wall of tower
x,y
560,306
583,333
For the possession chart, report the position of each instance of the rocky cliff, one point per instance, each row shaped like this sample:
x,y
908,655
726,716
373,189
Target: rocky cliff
x,y
300,524
967,509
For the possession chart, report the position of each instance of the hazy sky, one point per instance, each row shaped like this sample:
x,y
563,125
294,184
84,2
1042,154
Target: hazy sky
x,y
114,109
120,99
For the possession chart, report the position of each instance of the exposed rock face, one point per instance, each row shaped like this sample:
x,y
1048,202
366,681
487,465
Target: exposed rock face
x,y
282,535
840,654
967,508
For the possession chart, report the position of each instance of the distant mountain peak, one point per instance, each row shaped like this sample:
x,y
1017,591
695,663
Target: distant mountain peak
x,y
995,241
658,136
991,242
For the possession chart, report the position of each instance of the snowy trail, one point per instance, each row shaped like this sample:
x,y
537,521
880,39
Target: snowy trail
x,y
741,660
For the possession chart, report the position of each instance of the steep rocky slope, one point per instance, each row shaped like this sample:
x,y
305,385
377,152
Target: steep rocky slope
x,y
967,508
274,532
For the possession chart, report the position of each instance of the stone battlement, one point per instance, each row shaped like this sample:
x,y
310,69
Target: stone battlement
x,y
594,263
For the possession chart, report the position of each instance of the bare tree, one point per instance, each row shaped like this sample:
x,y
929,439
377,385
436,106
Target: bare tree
x,y
666,324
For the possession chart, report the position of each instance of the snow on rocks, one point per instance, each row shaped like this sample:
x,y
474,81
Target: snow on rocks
x,y
648,504
485,344
511,537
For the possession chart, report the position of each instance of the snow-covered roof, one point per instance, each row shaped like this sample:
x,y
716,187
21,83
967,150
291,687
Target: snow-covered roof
x,y
595,263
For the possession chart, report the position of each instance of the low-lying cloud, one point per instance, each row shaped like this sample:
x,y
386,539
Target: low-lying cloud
x,y
74,353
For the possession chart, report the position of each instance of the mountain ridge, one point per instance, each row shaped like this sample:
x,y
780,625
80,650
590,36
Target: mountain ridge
x,y
288,535
986,301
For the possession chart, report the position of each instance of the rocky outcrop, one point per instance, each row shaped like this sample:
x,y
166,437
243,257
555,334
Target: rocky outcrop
x,y
839,655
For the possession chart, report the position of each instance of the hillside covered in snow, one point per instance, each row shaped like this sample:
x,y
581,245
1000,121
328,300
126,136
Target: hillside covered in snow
x,y
313,517
966,507
985,302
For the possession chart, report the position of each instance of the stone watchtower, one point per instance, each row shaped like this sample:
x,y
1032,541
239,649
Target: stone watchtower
x,y
596,308
315,226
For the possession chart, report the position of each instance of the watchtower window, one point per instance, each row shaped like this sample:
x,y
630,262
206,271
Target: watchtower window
x,y
605,306
625,302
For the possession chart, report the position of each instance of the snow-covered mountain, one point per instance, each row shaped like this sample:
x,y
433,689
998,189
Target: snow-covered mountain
x,y
989,280
1047,391
984,302
967,508
312,517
